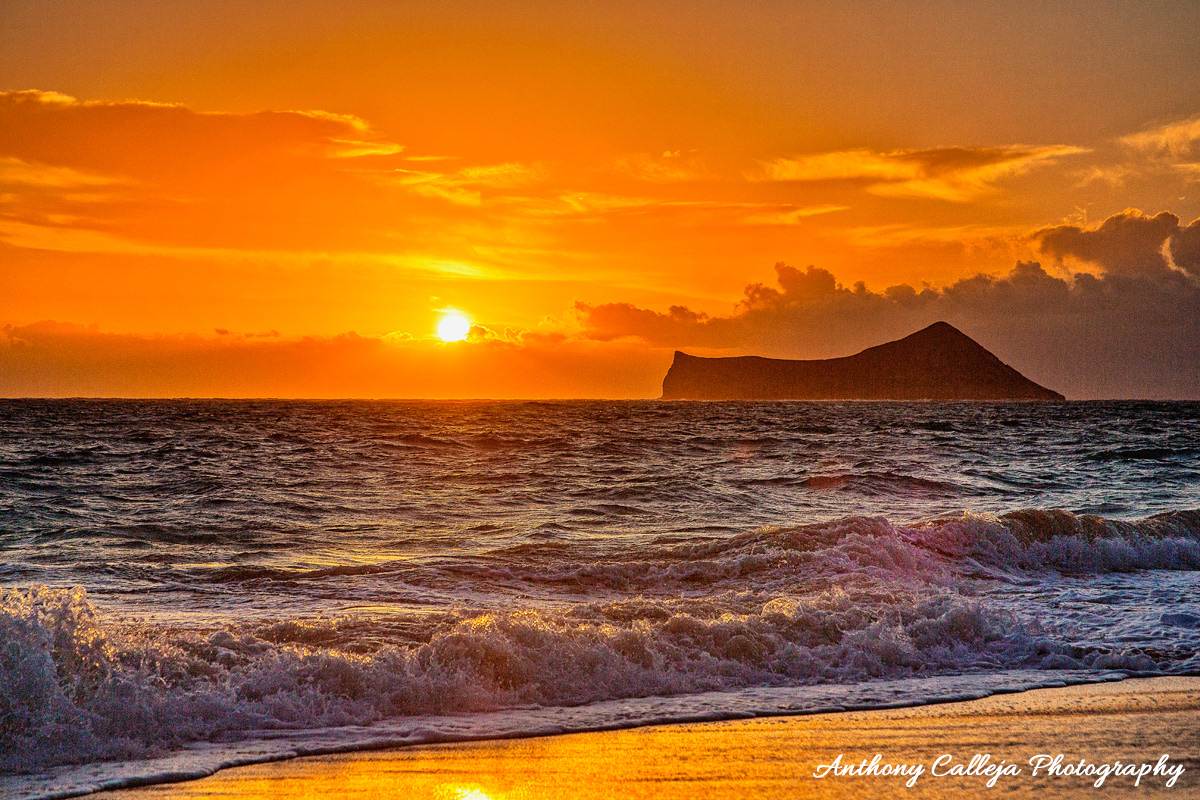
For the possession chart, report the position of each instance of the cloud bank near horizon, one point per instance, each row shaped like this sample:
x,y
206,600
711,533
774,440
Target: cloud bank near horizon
x,y
50,359
1133,330
1088,336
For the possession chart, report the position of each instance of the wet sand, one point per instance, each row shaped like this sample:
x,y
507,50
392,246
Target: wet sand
x,y
1130,721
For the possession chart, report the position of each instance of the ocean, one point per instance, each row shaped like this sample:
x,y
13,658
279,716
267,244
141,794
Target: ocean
x,y
187,585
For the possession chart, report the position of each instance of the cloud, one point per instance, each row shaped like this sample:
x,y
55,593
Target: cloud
x,y
721,213
1190,171
1185,248
1111,175
902,234
1174,139
669,167
156,141
1174,146
50,359
602,206
1129,243
64,238
54,198
763,214
955,174
272,187
1117,335
465,186
152,175
15,172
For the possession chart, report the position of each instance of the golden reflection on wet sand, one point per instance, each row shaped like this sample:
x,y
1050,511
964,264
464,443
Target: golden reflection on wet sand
x,y
1135,720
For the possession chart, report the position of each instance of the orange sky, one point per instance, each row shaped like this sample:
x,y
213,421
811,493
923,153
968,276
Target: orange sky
x,y
208,199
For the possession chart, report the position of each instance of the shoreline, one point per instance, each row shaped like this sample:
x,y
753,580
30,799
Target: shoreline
x,y
108,779
772,756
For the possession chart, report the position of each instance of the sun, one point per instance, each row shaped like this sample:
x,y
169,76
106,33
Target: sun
x,y
453,328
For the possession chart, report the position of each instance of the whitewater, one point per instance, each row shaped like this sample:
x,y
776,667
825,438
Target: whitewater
x,y
189,585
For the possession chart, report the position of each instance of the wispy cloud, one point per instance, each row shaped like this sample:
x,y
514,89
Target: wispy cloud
x,y
15,172
66,237
1173,146
465,186
140,138
896,234
765,214
1175,139
955,174
598,205
668,167
350,148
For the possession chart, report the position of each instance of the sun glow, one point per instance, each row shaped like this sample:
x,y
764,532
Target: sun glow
x,y
453,328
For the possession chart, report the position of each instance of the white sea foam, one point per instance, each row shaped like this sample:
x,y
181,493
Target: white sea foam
x,y
836,604
200,759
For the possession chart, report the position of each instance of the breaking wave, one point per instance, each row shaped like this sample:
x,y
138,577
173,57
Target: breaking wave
x,y
838,602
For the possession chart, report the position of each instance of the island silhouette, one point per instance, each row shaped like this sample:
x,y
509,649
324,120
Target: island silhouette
x,y
936,363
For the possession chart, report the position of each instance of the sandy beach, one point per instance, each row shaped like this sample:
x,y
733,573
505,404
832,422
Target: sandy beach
x,y
1131,722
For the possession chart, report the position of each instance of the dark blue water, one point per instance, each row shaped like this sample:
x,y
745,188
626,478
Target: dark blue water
x,y
181,572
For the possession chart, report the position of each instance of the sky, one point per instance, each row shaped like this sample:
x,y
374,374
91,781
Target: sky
x,y
284,198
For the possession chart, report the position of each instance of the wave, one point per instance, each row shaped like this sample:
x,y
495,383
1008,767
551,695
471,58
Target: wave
x,y
835,603
76,689
1036,541
861,550
845,601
